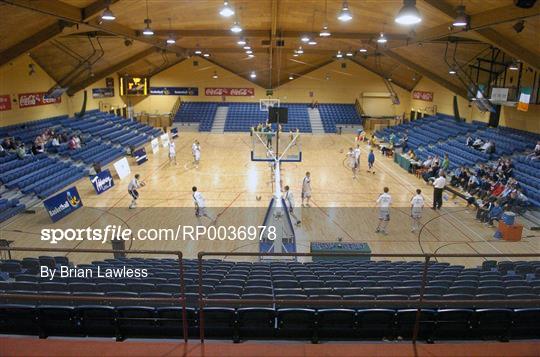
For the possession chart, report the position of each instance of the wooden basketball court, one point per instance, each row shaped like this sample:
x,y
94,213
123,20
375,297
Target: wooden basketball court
x,y
341,207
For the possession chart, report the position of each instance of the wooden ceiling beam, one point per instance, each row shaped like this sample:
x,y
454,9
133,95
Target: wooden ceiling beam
x,y
71,13
95,8
480,24
33,41
427,73
382,75
74,88
297,75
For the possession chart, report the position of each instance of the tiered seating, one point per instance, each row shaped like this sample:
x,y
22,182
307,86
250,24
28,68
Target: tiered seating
x,y
458,152
298,118
244,116
527,173
197,112
335,114
329,280
94,152
39,175
27,132
9,208
508,142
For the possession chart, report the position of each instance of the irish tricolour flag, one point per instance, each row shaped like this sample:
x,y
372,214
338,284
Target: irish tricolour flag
x,y
524,99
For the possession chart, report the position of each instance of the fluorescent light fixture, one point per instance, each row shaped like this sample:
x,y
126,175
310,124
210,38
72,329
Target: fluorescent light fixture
x,y
247,47
325,32
382,38
363,50
198,52
409,14
514,66
241,41
345,14
304,38
236,27
171,41
312,42
349,54
249,52
108,15
226,10
206,55
461,19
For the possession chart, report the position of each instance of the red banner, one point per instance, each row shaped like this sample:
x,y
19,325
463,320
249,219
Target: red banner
x,y
421,95
5,102
34,99
232,92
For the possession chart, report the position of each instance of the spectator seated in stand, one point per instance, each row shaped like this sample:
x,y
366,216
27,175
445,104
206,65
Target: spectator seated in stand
x,y
535,154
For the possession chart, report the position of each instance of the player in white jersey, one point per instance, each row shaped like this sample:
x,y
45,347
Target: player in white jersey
x,y
289,201
417,206
200,206
172,152
133,186
357,157
351,161
306,189
196,150
383,202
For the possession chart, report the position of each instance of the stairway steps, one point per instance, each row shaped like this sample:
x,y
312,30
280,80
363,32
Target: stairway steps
x,y
219,120
315,121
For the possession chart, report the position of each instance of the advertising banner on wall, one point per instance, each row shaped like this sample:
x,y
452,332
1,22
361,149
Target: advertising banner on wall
x,y
63,204
5,102
34,99
102,92
140,156
193,91
422,95
122,168
102,181
231,92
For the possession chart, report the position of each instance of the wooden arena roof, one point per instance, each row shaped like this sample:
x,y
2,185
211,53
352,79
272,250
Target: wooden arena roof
x,y
71,42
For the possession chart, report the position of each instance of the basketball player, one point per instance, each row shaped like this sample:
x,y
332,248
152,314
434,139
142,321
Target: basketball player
x,y
289,201
357,158
383,202
352,161
193,150
417,206
200,206
306,189
135,184
197,154
371,161
172,152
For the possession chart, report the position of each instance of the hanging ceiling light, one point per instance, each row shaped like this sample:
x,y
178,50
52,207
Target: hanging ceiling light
x,y
452,70
514,66
251,55
236,27
170,40
206,54
226,10
300,50
325,32
198,52
304,38
249,52
253,74
461,19
247,47
108,15
147,30
363,50
312,42
215,76
339,54
241,41
349,54
345,14
291,77
409,14
295,54
382,38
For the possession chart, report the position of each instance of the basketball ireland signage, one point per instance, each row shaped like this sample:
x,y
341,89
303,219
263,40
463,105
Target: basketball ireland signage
x,y
63,204
230,92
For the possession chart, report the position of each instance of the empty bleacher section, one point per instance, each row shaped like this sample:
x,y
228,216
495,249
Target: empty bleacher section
x,y
333,115
244,116
9,208
527,173
197,112
359,280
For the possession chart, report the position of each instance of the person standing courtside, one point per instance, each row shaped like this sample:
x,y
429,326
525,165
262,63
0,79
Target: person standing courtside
x,y
438,188
289,202
306,189
417,206
133,186
383,202
200,206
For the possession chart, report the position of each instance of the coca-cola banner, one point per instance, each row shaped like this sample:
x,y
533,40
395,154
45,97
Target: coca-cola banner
x,y
231,92
5,102
421,95
34,99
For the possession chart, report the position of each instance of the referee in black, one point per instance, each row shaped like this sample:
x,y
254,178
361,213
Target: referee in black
x,y
438,188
